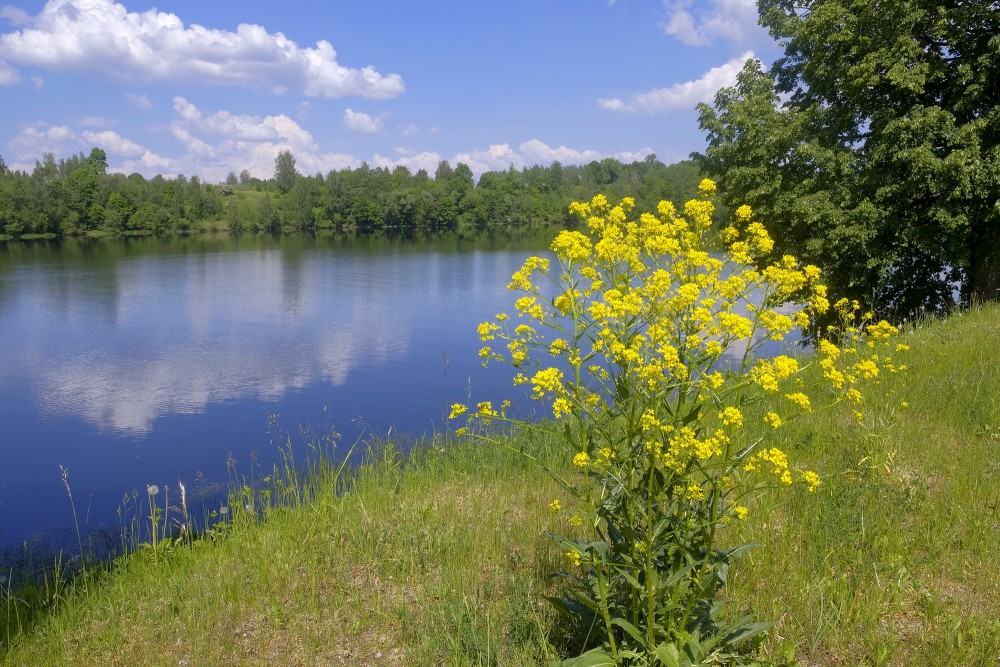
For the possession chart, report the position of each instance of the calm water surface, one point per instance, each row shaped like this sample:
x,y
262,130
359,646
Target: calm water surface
x,y
149,361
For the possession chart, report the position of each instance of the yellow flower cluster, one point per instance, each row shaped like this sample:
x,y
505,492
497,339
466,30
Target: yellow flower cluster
x,y
547,381
644,335
732,417
637,316
773,460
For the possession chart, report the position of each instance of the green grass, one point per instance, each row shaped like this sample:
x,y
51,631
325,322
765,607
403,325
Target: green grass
x,y
894,560
435,559
440,558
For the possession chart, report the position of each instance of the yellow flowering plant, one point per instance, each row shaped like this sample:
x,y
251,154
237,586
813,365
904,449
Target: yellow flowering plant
x,y
645,346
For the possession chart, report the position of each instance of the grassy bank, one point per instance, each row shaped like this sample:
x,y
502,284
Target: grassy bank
x,y
440,558
435,560
895,561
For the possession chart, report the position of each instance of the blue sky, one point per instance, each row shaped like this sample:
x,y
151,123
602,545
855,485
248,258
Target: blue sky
x,y
216,86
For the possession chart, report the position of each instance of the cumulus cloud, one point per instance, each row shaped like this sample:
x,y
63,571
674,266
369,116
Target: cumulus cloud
x,y
538,152
213,143
8,75
427,160
219,142
682,95
33,141
497,157
359,121
14,15
114,143
102,38
704,22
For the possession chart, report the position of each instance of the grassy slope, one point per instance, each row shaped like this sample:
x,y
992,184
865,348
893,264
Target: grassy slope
x,y
892,562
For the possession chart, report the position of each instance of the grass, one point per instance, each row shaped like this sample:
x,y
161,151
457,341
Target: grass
x,y
894,562
440,557
435,558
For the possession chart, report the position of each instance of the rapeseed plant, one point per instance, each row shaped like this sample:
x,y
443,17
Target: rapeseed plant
x,y
645,347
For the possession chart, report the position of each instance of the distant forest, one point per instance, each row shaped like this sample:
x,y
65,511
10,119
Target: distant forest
x,y
77,196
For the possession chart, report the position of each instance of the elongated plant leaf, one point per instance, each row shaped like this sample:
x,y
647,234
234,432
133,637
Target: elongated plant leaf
x,y
595,658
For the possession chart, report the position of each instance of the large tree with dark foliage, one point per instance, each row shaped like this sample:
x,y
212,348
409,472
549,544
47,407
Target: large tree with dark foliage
x,y
873,146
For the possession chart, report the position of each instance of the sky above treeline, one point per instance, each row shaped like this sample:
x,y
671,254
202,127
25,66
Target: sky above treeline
x,y
216,86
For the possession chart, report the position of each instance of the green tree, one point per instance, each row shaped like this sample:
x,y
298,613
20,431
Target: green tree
x,y
285,172
98,161
443,171
299,206
267,215
873,146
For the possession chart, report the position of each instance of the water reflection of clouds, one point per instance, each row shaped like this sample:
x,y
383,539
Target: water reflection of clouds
x,y
225,328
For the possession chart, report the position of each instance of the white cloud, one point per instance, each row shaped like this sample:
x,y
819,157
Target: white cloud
x,y
682,95
114,144
538,152
220,142
212,144
706,21
103,38
498,157
139,101
359,121
614,104
15,15
427,161
35,140
8,75
241,127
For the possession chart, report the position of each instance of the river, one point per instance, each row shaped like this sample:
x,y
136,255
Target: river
x,y
130,362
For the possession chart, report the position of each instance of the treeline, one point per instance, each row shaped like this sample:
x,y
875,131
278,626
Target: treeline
x,y
78,196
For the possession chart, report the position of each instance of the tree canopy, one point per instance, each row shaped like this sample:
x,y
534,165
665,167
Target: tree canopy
x,y
285,172
872,147
78,196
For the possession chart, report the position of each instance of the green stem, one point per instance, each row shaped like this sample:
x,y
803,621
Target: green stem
x,y
650,592
605,613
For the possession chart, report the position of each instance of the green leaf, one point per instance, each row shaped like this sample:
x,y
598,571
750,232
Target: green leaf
x,y
738,552
668,655
583,608
595,658
631,629
743,629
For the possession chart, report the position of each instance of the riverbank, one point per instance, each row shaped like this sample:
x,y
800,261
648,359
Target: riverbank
x,y
441,557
